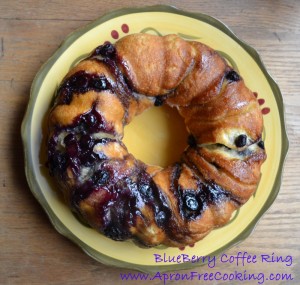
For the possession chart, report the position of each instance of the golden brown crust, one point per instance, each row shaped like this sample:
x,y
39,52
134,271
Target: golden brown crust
x,y
234,110
121,196
173,59
204,80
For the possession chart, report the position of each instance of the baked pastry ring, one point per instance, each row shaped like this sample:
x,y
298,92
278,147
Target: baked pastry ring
x,y
124,198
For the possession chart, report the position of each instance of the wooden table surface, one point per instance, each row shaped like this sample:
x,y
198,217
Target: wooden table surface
x,y
31,251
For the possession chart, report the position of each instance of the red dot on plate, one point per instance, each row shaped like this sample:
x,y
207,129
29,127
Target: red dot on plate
x,y
114,34
106,42
261,101
265,111
181,248
191,245
125,28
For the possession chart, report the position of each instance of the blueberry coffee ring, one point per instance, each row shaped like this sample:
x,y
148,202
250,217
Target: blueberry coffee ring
x,y
121,196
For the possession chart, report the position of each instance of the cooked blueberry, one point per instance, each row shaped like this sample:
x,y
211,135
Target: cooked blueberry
x,y
192,141
65,96
145,189
131,185
160,218
241,140
159,100
72,148
214,193
101,155
58,161
70,138
101,177
88,157
86,141
116,232
106,50
261,144
232,76
51,146
100,83
90,119
80,81
80,193
191,202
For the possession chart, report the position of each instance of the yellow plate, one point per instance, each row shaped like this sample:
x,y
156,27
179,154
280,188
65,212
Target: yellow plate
x,y
158,20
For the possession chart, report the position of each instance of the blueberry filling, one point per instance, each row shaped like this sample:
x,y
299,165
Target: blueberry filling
x,y
81,82
88,157
101,177
77,151
78,144
74,164
191,202
69,139
86,141
121,85
232,76
81,193
78,81
241,141
91,122
100,83
122,199
72,149
146,190
261,144
57,163
116,230
213,193
106,50
192,141
154,198
159,101
188,200
122,208
124,91
161,218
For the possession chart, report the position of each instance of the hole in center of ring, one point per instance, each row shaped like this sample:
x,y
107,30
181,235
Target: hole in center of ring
x,y
157,137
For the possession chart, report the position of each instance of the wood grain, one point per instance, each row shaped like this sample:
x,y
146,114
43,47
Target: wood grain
x,y
31,251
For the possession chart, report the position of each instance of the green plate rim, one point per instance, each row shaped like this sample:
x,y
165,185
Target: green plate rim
x,y
26,130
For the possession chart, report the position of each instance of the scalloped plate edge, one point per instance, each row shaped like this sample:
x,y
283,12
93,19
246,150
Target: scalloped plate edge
x,y
26,130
